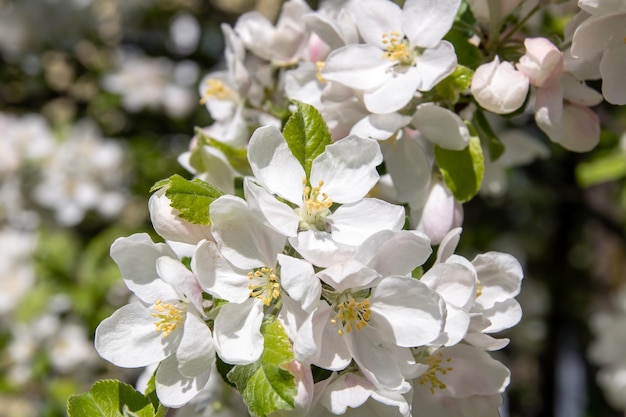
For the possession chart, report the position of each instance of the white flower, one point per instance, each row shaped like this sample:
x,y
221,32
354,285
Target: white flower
x,y
342,174
604,32
166,325
404,52
499,87
439,214
461,380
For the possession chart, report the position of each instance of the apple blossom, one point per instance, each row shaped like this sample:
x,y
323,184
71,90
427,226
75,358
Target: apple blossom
x,y
499,87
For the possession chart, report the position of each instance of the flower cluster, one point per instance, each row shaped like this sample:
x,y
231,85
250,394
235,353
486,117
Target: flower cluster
x,y
299,262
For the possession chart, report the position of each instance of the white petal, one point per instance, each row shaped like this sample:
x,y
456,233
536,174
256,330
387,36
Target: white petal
x,y
441,126
409,167
395,93
435,64
454,282
320,249
448,244
598,34
167,223
347,168
500,276
136,257
182,279
499,87
612,68
374,18
409,312
351,224
196,352
348,390
129,338
380,126
237,332
175,390
348,275
426,22
278,214
241,236
357,66
581,128
549,111
217,276
502,316
457,323
273,164
394,253
439,215
298,278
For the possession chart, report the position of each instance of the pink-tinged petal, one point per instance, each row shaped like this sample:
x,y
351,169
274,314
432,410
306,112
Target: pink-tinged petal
x,y
217,276
237,332
320,249
549,111
196,352
361,67
499,87
298,278
375,18
377,363
612,67
141,276
406,311
500,276
435,64
394,253
543,61
410,169
241,236
380,126
175,390
129,338
440,214
426,22
351,224
182,279
473,372
581,128
395,93
278,214
347,169
273,164
441,126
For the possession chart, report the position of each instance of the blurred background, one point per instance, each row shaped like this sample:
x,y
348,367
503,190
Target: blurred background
x,y
99,97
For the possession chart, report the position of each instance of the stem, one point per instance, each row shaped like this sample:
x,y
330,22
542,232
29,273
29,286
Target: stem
x,y
518,26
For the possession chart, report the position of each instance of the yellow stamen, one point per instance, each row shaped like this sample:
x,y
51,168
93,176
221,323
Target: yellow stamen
x,y
169,317
434,367
265,285
352,314
217,89
396,48
320,78
479,290
315,207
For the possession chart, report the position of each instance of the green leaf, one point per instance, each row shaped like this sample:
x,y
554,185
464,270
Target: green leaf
x,y
602,169
191,198
462,170
306,134
486,134
110,398
266,386
454,84
236,157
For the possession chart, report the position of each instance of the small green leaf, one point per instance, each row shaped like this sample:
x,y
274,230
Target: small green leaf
x,y
606,168
462,170
266,386
110,398
306,134
486,134
454,84
191,198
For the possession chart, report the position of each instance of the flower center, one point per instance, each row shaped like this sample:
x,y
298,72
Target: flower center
x,y
168,316
264,285
434,368
216,89
320,65
397,48
352,314
315,207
